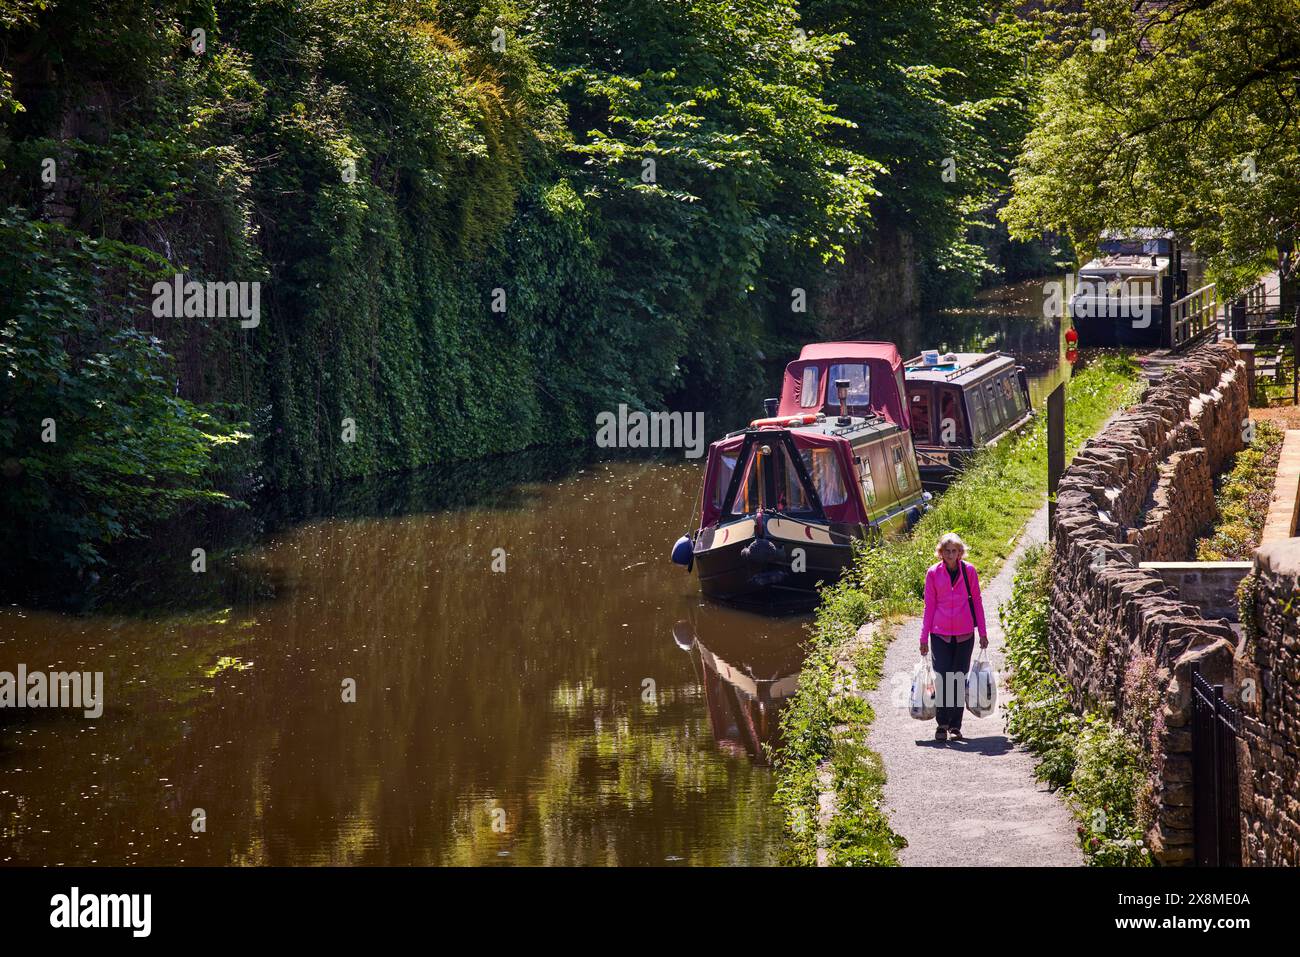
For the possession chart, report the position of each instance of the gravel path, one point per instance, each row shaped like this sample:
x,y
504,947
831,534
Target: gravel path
x,y
1006,817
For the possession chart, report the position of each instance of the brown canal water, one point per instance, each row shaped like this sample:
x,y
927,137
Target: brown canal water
x,y
566,710
581,706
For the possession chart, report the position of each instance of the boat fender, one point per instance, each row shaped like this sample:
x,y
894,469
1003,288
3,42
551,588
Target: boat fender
x,y
913,516
683,551
761,551
770,578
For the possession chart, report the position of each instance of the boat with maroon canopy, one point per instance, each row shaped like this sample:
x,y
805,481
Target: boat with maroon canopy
x,y
785,499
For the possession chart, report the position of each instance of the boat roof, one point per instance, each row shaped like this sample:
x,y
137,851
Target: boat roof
x,y
853,350
969,367
860,428
1136,265
881,358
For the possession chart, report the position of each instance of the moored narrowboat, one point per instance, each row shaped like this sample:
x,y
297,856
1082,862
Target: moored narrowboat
x,y
1123,294
785,500
959,403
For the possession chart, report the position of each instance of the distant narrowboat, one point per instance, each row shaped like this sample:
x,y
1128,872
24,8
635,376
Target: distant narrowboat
x,y
961,402
1123,295
785,499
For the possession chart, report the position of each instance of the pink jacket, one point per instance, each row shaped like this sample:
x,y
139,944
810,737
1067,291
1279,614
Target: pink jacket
x,y
947,611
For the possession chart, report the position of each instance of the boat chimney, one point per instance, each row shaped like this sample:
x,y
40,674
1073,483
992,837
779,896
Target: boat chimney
x,y
842,389
770,406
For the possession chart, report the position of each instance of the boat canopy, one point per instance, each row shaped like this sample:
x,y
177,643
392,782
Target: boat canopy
x,y
874,371
827,461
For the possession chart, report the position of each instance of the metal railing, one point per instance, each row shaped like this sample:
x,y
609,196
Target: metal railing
x,y
1216,812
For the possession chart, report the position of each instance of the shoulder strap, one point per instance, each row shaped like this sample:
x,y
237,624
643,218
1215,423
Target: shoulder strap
x,y
970,599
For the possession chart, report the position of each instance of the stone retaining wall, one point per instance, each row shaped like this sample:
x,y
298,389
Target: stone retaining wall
x,y
1141,491
1269,673
1210,586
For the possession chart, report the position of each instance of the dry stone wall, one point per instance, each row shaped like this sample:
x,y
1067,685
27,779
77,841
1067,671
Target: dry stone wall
x,y
1270,666
1141,491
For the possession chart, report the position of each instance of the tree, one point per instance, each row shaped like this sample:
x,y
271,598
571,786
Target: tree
x,y
1178,115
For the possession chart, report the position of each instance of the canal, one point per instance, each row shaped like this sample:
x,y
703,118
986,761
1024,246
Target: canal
x,y
491,665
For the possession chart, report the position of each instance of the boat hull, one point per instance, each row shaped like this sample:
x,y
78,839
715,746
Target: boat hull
x,y
1121,331
740,563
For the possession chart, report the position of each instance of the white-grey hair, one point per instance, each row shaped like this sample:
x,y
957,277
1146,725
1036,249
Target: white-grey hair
x,y
951,538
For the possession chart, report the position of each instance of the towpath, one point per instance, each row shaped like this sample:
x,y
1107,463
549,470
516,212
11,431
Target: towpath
x,y
974,802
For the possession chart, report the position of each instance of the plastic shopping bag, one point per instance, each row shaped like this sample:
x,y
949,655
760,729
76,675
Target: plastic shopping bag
x,y
922,697
981,687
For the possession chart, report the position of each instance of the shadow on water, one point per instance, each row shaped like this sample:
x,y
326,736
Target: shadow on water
x,y
156,574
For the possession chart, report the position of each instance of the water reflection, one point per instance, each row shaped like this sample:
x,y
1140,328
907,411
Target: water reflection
x,y
749,669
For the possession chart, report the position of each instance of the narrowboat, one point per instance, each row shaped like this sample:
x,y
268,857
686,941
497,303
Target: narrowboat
x,y
960,402
832,464
1123,295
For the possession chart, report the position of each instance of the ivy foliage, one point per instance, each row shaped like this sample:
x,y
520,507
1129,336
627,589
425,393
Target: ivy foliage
x,y
97,447
476,223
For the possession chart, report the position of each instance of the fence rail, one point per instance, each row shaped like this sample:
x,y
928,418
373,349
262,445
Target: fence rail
x,y
1193,317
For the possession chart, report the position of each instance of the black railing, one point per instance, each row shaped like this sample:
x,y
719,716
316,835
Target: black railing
x,y
1216,815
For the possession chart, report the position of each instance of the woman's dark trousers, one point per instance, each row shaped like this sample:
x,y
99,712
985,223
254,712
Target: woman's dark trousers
x,y
951,662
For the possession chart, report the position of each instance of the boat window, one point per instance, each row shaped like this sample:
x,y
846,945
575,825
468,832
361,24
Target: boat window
x,y
900,466
997,414
859,376
977,413
809,397
1008,395
921,416
1017,393
952,424
726,465
791,496
1135,247
749,496
824,470
868,483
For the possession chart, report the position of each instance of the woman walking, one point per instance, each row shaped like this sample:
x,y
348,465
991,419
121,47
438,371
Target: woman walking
x,y
953,611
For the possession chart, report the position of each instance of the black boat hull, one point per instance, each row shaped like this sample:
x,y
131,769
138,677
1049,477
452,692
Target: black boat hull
x,y
739,564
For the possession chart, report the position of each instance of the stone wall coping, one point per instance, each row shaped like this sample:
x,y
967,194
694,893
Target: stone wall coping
x,y
1283,507
1198,566
1281,557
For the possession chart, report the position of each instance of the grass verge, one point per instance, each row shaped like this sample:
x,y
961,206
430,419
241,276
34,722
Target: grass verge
x,y
824,727
1100,766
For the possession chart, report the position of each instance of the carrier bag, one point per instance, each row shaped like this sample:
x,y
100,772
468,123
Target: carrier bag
x,y
922,697
981,687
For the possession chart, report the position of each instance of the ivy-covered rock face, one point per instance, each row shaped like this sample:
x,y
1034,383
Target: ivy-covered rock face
x,y
473,225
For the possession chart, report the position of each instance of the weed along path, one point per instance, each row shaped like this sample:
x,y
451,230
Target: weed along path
x,y
974,802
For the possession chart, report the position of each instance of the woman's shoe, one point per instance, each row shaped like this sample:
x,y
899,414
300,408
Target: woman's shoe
x,y
955,735
941,734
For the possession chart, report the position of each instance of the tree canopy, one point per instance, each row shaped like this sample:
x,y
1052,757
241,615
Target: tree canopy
x,y
1179,115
